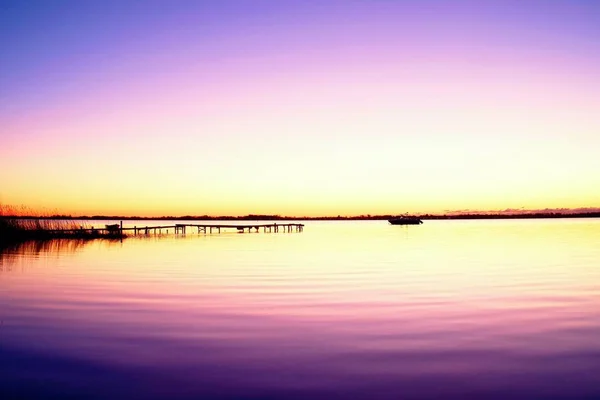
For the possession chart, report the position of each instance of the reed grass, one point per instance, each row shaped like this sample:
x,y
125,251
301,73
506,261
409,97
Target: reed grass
x,y
18,224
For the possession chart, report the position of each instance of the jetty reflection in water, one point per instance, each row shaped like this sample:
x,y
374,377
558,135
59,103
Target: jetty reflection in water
x,y
343,310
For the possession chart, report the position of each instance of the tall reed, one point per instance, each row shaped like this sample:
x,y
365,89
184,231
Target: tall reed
x,y
19,223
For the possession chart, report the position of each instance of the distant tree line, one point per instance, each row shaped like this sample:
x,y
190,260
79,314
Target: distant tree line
x,y
265,217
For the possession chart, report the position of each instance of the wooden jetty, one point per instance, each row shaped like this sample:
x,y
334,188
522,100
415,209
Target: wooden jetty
x,y
182,229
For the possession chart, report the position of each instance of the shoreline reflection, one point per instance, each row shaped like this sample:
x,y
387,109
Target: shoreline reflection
x,y
13,252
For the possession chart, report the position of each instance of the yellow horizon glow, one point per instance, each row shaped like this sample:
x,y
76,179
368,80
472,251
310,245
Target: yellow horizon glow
x,y
275,168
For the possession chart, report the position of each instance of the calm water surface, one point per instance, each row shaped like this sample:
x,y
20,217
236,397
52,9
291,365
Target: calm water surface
x,y
360,310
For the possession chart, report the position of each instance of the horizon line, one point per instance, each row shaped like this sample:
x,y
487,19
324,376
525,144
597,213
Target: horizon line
x,y
254,217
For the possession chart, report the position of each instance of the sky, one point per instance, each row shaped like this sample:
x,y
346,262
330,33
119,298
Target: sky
x,y
308,108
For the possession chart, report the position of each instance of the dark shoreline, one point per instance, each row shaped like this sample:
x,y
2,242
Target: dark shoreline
x,y
253,217
15,230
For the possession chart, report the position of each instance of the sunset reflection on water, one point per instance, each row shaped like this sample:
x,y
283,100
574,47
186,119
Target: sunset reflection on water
x,y
343,309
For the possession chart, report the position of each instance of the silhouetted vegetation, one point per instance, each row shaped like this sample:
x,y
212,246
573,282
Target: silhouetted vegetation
x,y
514,216
16,228
255,217
15,221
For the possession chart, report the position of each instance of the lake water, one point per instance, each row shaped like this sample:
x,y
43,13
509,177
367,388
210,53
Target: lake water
x,y
348,310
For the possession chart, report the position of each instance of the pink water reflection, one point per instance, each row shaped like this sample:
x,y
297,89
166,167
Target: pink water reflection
x,y
479,307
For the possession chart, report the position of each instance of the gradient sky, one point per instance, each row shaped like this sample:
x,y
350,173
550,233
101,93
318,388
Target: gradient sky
x,y
299,107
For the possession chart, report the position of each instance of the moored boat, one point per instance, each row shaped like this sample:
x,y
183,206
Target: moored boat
x,y
405,221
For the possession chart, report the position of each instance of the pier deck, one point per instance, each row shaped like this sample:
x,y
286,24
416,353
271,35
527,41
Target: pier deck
x,y
182,229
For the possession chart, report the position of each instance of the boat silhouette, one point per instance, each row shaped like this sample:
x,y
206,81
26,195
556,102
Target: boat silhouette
x,y
405,220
